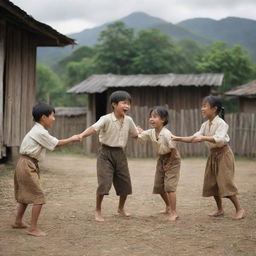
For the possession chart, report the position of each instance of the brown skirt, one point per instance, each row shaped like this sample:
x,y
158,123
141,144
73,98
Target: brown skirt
x,y
27,186
219,173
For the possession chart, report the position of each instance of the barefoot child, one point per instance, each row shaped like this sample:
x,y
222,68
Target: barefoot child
x,y
26,177
219,171
168,164
112,166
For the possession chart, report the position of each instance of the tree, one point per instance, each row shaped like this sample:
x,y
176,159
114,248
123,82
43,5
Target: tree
x,y
79,71
156,53
233,62
76,56
116,49
191,52
48,85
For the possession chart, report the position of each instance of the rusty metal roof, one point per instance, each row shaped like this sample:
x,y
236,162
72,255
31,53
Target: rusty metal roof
x,y
246,90
19,16
100,83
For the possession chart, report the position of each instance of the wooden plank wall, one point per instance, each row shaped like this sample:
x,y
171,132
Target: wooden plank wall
x,y
19,84
242,132
178,97
2,61
65,127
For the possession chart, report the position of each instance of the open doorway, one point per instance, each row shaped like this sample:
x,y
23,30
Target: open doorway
x,y
101,104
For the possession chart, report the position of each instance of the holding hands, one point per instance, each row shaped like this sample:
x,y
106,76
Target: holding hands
x,y
139,130
76,138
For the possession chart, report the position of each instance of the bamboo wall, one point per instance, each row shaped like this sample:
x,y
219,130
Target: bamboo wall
x,y
242,132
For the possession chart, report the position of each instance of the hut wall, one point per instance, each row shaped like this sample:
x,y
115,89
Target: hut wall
x,y
179,97
242,132
66,126
19,89
248,105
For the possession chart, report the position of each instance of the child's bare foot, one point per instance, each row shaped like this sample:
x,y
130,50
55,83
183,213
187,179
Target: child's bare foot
x,y
123,213
35,232
166,211
239,215
19,225
217,213
98,216
173,217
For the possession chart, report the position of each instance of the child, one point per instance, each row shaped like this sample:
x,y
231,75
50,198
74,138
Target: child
x,y
26,177
219,171
168,163
112,166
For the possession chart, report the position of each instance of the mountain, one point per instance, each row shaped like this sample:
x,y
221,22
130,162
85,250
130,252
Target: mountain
x,y
137,21
89,37
233,30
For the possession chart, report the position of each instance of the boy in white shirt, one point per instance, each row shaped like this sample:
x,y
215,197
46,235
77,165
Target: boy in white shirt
x,y
26,177
112,166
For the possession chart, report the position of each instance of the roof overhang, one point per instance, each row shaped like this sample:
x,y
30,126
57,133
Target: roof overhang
x,y
47,36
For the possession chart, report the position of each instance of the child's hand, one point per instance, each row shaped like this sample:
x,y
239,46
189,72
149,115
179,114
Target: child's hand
x,y
80,137
139,130
75,138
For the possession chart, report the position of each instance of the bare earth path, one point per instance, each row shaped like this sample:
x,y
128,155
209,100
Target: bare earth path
x,y
68,217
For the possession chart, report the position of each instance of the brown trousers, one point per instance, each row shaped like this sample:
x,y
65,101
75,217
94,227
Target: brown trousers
x,y
112,167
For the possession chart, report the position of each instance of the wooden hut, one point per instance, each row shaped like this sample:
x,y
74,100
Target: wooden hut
x,y
20,35
247,96
177,91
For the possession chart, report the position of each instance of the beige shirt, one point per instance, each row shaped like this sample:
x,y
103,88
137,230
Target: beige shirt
x,y
163,144
112,132
218,130
36,141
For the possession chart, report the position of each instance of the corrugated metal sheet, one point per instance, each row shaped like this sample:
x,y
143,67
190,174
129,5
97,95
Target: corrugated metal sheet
x,y
69,111
100,83
246,90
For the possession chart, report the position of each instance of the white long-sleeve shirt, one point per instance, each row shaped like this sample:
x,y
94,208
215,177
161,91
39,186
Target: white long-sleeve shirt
x,y
218,130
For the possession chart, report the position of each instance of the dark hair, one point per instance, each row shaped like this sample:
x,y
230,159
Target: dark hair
x,y
162,112
117,96
216,102
41,109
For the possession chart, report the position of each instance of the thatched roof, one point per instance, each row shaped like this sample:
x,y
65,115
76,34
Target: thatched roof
x,y
100,83
47,36
246,90
69,111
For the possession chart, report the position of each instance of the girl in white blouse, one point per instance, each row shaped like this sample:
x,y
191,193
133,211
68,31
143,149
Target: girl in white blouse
x,y
219,171
168,164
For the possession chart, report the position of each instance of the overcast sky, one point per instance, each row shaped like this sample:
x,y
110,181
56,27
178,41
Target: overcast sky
x,y
71,16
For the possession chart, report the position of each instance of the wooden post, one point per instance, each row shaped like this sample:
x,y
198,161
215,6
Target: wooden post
x,y
2,61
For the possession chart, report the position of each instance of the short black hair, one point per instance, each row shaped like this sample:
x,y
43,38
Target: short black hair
x,y
162,112
41,109
117,96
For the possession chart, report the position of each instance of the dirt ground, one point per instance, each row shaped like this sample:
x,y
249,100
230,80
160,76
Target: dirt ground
x,y
69,182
